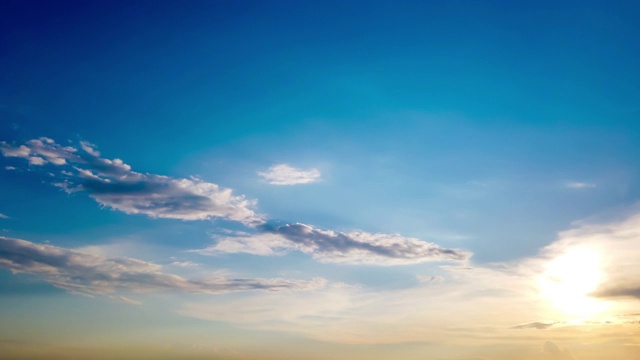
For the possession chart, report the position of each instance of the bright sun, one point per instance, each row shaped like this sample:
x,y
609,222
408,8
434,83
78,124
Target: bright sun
x,y
569,278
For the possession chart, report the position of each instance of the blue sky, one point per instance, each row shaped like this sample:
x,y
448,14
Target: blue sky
x,y
340,151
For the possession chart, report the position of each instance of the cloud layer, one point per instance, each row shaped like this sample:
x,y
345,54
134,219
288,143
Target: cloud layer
x,y
89,274
283,174
356,247
112,183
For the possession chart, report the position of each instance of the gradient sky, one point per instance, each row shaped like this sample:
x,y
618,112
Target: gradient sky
x,y
433,180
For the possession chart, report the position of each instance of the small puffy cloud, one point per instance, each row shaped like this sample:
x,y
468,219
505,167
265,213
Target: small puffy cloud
x,y
89,274
10,168
3,216
283,174
356,247
41,151
579,185
114,184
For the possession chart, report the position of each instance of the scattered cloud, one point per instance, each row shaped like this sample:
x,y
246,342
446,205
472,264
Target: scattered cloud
x,y
492,297
283,174
88,274
113,184
356,247
10,168
3,216
579,185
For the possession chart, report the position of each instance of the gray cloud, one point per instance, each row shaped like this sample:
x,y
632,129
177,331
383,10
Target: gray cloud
x,y
356,247
540,325
89,274
619,291
112,183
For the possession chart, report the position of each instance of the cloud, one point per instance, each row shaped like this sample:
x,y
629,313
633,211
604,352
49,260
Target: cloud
x,y
113,184
540,325
3,216
553,351
78,272
612,250
184,264
41,151
426,279
356,247
478,303
579,185
283,174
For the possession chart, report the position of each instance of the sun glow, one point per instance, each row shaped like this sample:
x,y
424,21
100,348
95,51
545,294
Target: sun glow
x,y
568,280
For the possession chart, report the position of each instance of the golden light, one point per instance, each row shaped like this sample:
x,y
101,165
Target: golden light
x,y
569,278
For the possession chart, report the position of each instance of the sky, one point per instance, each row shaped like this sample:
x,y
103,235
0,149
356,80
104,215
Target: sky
x,y
433,180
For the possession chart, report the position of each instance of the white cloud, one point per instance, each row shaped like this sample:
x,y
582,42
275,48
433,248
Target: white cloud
x,y
478,304
356,247
10,168
89,274
579,185
283,174
41,151
3,216
184,264
112,183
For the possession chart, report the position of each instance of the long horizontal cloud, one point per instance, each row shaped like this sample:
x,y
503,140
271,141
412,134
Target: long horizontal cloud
x,y
84,273
356,247
283,174
112,183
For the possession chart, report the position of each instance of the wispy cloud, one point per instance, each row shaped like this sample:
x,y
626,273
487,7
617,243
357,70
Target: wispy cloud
x,y
492,297
356,247
283,174
83,273
426,279
579,185
540,325
3,216
112,183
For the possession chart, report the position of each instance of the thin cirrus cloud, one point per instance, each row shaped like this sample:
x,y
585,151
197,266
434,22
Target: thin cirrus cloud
x,y
580,185
283,174
83,273
356,247
112,183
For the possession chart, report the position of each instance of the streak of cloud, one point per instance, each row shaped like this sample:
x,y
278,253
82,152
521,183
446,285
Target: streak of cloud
x,y
283,174
78,272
